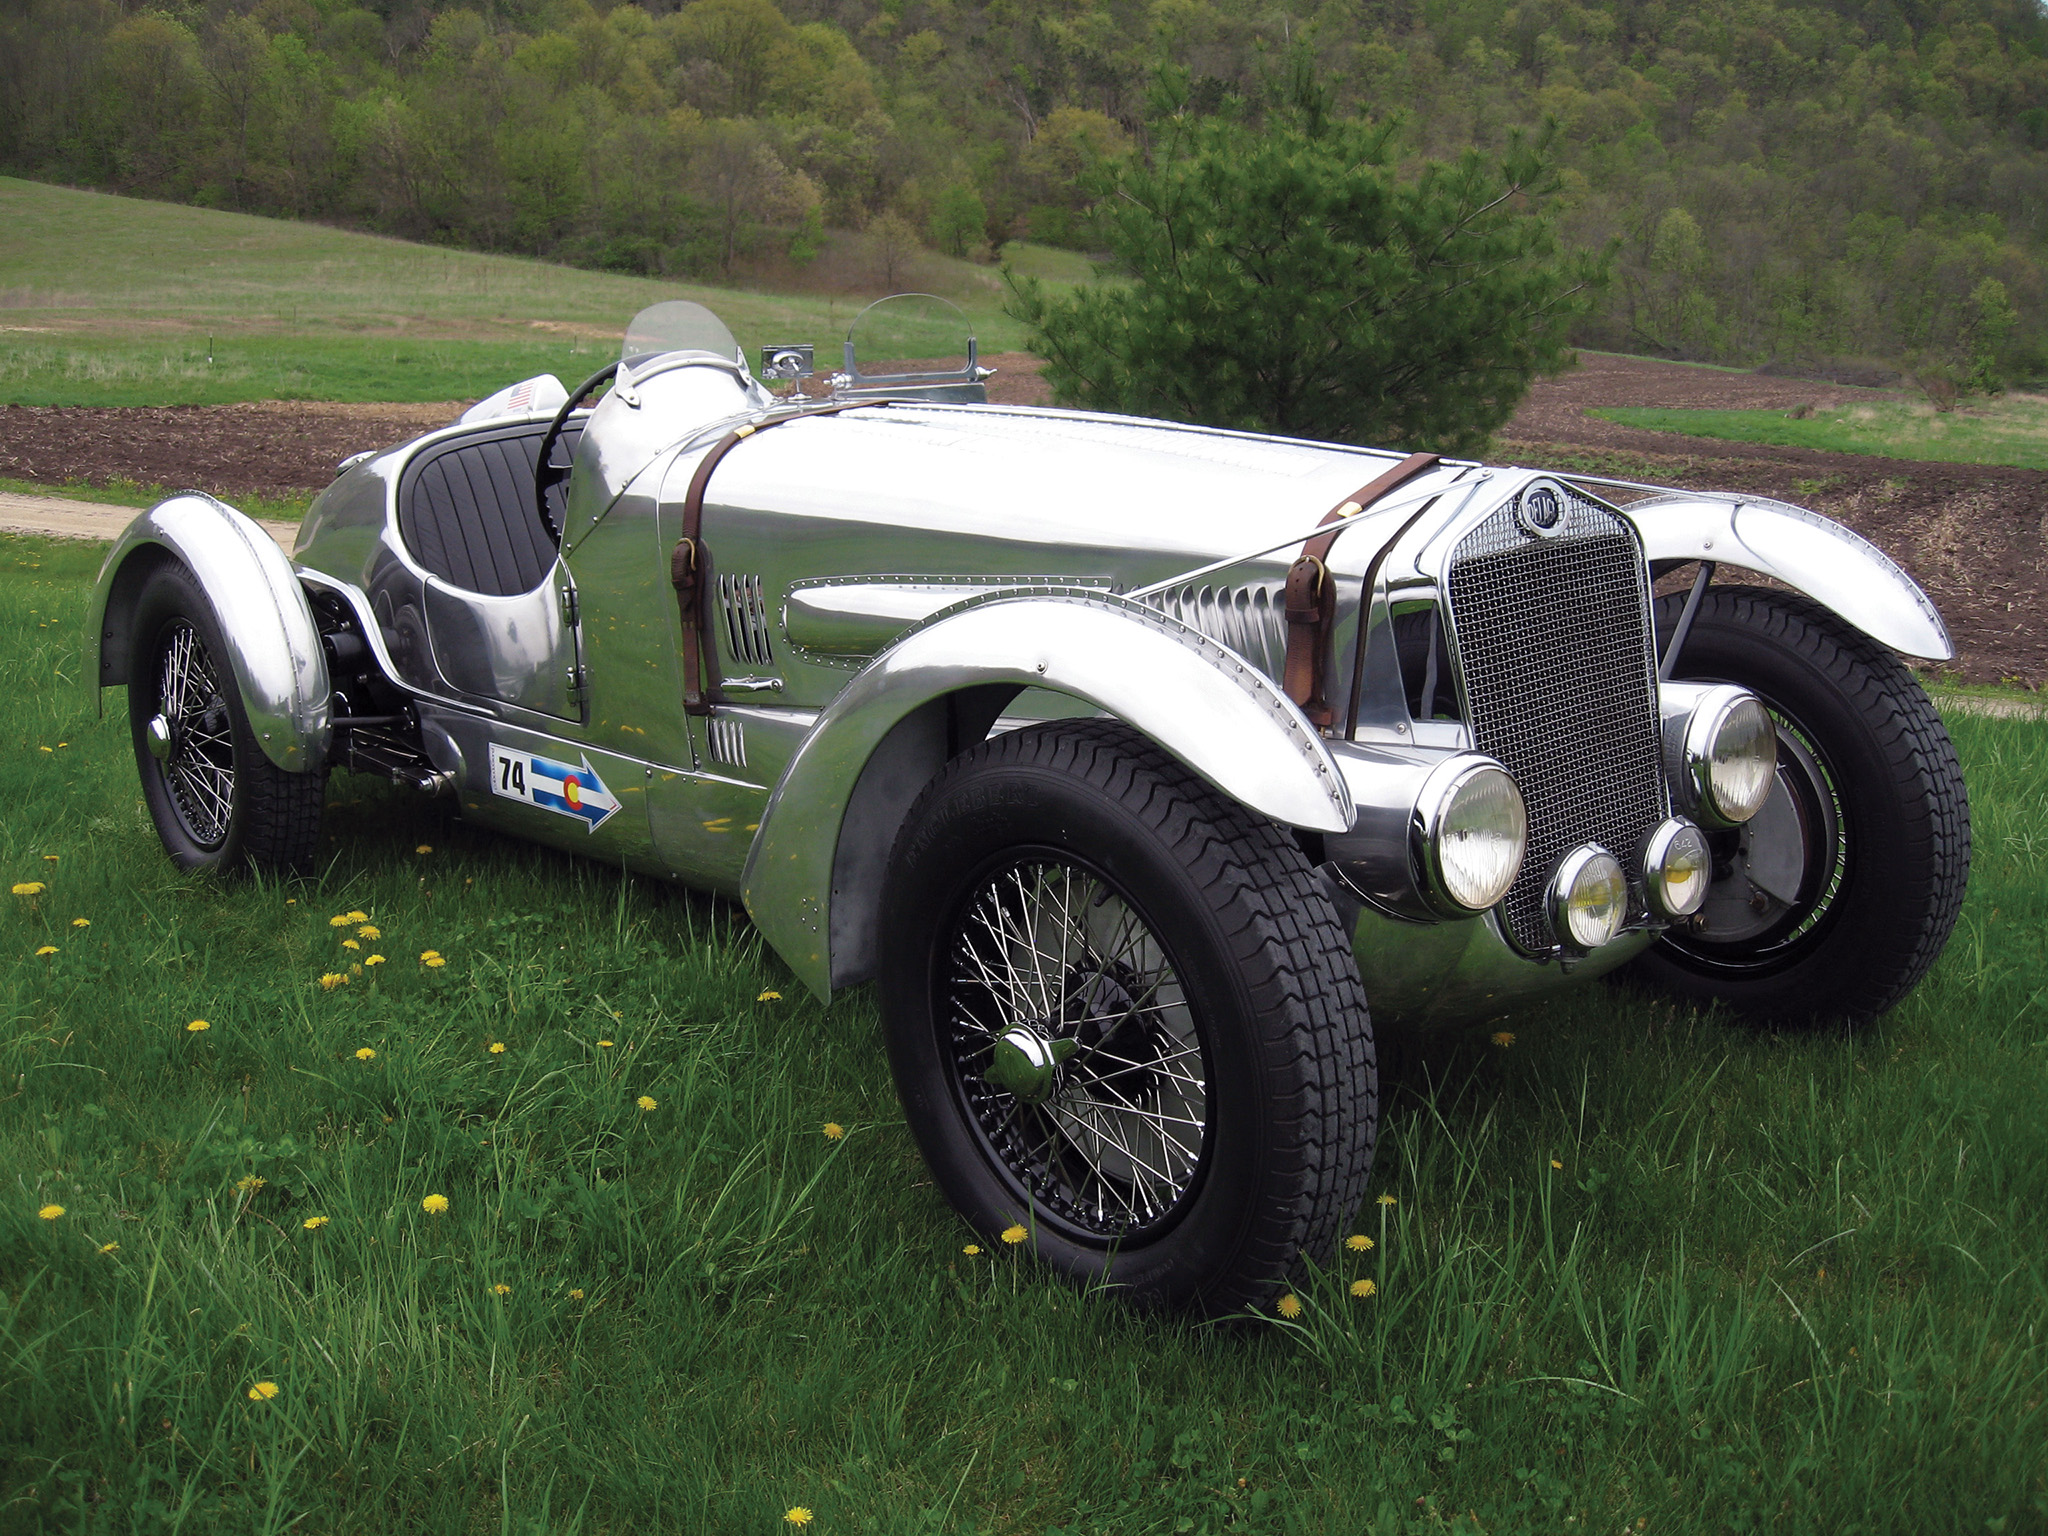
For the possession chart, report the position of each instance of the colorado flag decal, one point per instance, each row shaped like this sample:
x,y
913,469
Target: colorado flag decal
x,y
553,786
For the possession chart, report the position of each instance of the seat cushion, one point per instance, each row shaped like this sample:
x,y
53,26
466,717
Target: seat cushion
x,y
465,510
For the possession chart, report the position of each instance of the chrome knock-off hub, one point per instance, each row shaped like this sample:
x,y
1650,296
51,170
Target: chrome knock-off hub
x,y
1026,1064
158,735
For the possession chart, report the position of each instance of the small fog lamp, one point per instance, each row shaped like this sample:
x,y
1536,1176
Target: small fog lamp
x,y
1677,867
1588,898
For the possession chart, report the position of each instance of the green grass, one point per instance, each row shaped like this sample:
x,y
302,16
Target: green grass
x,y
1642,1265
2012,429
119,301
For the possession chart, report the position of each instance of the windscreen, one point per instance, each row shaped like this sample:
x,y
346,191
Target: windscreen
x,y
676,326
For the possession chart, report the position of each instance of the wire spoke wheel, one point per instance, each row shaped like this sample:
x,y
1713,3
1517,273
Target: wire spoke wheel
x,y
1075,1047
199,762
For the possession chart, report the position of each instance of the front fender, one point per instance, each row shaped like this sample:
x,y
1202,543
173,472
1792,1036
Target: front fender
x,y
273,644
1831,564
812,878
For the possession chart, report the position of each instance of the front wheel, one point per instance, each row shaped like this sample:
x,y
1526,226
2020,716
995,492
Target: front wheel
x,y
1123,1016
218,802
1832,902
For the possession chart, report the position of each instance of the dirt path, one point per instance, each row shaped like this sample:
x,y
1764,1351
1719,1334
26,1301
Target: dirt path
x,y
1975,536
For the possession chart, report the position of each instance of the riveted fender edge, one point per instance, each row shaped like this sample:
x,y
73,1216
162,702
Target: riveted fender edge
x,y
1833,565
273,644
811,877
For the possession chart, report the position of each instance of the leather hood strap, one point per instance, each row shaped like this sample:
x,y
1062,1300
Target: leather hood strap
x,y
1312,596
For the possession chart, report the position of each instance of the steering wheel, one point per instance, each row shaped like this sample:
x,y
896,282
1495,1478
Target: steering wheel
x,y
548,474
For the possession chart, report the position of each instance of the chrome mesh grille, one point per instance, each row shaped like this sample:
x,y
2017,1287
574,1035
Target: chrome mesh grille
x,y
1554,645
1250,620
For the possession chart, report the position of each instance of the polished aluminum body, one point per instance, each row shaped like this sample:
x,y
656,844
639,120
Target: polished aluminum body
x,y
895,581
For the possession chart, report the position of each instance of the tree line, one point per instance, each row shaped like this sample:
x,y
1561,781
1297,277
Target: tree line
x,y
1801,180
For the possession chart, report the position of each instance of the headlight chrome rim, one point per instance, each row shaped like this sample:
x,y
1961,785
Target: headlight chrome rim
x,y
1731,756
1455,879
1678,868
1588,899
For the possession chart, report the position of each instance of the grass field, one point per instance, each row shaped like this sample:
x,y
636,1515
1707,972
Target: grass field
x,y
2012,429
1641,1269
118,301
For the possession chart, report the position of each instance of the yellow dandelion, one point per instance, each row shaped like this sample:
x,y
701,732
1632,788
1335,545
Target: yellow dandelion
x,y
263,1392
1387,1200
291,901
497,1047
365,1053
355,970
972,1250
1364,1288
1557,1165
433,962
373,960
250,1183
834,1130
197,1027
434,1205
798,1515
110,1247
47,949
576,1294
355,917
604,1045
332,980
51,1212
1014,1235
314,1223
340,921
645,1103
51,858
1358,1242
501,1289
81,922
430,954
1503,1038
369,931
1288,1306
769,997
29,888
350,944
424,848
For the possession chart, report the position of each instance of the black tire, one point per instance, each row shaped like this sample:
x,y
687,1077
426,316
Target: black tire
x,y
1202,936
217,801
1870,804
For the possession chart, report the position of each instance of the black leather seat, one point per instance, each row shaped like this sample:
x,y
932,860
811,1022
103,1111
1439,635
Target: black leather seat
x,y
465,510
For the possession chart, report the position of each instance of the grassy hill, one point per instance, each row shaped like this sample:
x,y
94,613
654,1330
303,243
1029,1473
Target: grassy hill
x,y
110,300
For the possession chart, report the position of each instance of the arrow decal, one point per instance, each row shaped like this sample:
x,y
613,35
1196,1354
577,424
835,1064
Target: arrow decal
x,y
553,786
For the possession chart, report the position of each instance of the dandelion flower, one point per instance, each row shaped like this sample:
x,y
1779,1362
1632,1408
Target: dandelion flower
x,y
576,1294
29,888
81,922
248,1184
497,1047
314,1223
364,1053
110,1247
501,1289
1014,1235
645,1103
434,1205
332,980
1387,1200
47,949
604,1045
51,1212
798,1516
1363,1289
1503,1038
338,922
263,1392
373,960
1358,1242
834,1130
369,931
350,944
433,962
1288,1306
424,848
355,917
197,1027
972,1250
51,858
1557,1165
769,997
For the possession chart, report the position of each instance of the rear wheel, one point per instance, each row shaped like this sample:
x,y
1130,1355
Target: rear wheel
x,y
1832,902
218,802
1123,1015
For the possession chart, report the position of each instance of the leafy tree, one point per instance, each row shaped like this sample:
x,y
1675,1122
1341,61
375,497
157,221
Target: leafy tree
x,y
958,220
1291,281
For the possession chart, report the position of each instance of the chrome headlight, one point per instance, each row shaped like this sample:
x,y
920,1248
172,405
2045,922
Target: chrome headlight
x,y
1677,868
1588,898
1721,749
1471,831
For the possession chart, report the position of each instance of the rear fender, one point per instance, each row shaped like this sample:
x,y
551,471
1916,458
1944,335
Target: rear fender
x,y
273,644
812,880
1833,565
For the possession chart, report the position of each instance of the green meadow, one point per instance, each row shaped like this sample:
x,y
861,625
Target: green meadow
x,y
2008,429
603,1225
112,301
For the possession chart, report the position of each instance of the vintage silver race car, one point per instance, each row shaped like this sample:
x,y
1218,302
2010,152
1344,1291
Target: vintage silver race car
x,y
1131,760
